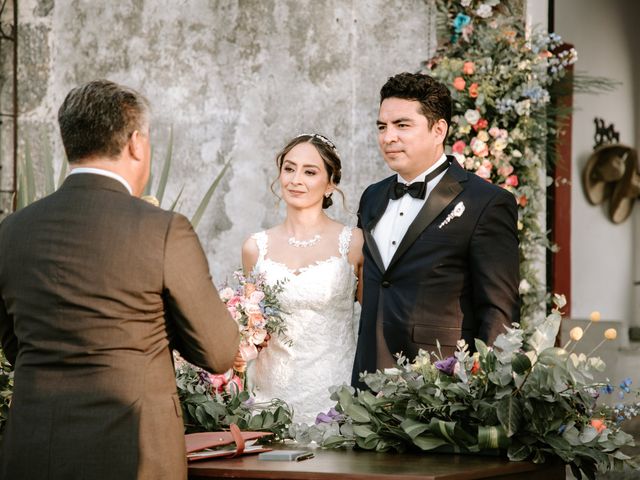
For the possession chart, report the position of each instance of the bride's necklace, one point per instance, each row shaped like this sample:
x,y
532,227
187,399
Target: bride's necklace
x,y
304,243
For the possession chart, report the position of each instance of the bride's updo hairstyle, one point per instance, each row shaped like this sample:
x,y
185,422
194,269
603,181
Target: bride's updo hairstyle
x,y
329,155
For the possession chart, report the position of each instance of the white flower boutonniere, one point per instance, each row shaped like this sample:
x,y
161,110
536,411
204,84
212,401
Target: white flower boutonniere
x,y
457,211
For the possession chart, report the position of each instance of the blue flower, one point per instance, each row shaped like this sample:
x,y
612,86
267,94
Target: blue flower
x,y
562,429
626,383
608,389
461,21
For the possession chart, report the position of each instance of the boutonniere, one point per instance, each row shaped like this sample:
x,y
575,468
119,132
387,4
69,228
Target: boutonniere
x,y
457,211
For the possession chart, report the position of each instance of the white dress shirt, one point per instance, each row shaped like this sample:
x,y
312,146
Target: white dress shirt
x,y
104,173
400,214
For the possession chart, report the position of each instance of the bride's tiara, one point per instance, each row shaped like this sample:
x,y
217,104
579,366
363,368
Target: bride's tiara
x,y
322,138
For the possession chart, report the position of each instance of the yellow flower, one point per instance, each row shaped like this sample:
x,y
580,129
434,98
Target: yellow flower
x,y
610,334
595,316
576,333
151,199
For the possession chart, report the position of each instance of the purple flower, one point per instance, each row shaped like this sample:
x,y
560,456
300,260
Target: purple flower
x,y
447,365
331,416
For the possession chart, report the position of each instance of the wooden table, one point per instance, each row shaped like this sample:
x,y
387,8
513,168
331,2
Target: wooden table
x,y
361,465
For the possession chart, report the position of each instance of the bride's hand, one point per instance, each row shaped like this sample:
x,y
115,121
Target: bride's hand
x,y
264,344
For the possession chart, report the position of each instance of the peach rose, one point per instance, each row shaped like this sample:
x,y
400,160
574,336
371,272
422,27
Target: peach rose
x,y
473,90
468,68
459,83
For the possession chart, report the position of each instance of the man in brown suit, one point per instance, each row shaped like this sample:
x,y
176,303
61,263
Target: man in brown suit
x,y
96,287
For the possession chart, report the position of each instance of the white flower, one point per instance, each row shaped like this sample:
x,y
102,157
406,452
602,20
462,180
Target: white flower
x,y
523,107
457,211
500,144
525,286
226,294
472,116
483,135
465,3
484,11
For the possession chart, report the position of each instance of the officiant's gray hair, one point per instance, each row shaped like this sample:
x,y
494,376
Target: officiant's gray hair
x,y
329,154
99,117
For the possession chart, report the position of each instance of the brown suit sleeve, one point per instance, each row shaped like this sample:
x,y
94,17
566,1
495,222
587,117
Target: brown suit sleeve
x,y
204,332
7,337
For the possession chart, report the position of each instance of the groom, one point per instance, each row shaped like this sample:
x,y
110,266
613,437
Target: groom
x,y
441,245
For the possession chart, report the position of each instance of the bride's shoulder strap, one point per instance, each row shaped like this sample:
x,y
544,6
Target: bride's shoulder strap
x,y
261,240
344,241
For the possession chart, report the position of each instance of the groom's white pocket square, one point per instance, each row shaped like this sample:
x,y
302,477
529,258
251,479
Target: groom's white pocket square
x,y
457,211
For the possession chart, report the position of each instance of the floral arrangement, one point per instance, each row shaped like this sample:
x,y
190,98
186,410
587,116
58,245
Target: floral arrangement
x,y
523,396
255,306
500,78
213,402
6,390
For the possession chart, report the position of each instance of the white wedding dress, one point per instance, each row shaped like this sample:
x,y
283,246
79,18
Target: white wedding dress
x,y
319,305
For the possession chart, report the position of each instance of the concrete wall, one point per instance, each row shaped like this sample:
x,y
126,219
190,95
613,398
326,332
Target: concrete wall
x,y
233,77
602,253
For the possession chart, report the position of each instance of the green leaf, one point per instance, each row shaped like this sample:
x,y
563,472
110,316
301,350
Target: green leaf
x,y
255,423
164,176
207,196
428,442
520,363
175,202
510,414
362,431
49,182
413,428
358,413
29,174
492,437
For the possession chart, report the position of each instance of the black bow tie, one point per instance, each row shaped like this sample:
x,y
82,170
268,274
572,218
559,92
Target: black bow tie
x,y
416,189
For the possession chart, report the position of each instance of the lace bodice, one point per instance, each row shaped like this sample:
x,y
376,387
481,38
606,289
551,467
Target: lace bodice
x,y
319,303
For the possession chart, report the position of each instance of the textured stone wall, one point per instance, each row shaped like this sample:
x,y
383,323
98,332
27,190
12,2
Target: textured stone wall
x,y
235,80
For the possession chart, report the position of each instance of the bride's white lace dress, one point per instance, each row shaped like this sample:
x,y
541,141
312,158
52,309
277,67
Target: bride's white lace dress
x,y
319,301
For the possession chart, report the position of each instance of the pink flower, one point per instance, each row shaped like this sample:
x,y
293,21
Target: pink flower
x,y
458,147
598,424
484,170
256,320
233,301
256,297
473,90
479,148
512,181
459,83
505,170
494,132
468,68
248,350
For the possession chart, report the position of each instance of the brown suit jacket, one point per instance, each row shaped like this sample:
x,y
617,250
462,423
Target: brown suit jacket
x,y
96,287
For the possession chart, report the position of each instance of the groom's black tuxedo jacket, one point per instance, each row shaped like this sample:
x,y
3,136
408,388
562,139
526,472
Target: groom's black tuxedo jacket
x,y
446,281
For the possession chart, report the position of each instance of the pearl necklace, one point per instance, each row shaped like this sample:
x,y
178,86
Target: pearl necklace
x,y
304,243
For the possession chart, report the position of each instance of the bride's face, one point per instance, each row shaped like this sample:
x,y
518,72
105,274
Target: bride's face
x,y
303,177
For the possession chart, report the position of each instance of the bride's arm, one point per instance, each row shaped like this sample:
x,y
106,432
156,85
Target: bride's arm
x,y
249,255
356,259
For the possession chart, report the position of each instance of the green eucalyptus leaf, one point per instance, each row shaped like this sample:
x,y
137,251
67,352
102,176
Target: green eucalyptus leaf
x,y
358,413
520,363
362,431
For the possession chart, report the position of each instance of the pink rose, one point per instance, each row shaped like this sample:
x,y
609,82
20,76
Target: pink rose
x,y
468,68
512,181
494,132
458,147
248,350
505,170
479,148
480,124
484,170
459,83
233,301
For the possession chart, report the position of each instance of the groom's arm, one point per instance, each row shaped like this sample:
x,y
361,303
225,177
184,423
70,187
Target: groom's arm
x,y
495,267
7,335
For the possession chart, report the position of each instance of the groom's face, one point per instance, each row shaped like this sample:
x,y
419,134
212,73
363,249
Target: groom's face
x,y
409,146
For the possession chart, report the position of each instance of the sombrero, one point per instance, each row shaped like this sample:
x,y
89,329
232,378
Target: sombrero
x,y
626,190
605,165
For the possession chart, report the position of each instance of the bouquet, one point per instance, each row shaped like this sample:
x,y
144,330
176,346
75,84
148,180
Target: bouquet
x,y
254,305
523,396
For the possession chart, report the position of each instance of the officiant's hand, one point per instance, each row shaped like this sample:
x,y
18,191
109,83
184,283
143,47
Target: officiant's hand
x,y
239,363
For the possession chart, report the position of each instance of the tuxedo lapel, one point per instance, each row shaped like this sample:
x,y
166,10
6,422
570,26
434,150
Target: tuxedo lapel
x,y
379,208
442,195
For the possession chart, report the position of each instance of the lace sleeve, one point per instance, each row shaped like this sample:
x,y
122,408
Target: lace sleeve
x,y
345,240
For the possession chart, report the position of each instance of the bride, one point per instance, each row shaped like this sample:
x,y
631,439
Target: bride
x,y
320,261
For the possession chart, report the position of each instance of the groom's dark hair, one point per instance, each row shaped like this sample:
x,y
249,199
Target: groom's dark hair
x,y
434,97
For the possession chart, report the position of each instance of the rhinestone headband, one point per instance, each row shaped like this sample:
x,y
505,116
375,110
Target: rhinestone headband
x,y
322,138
